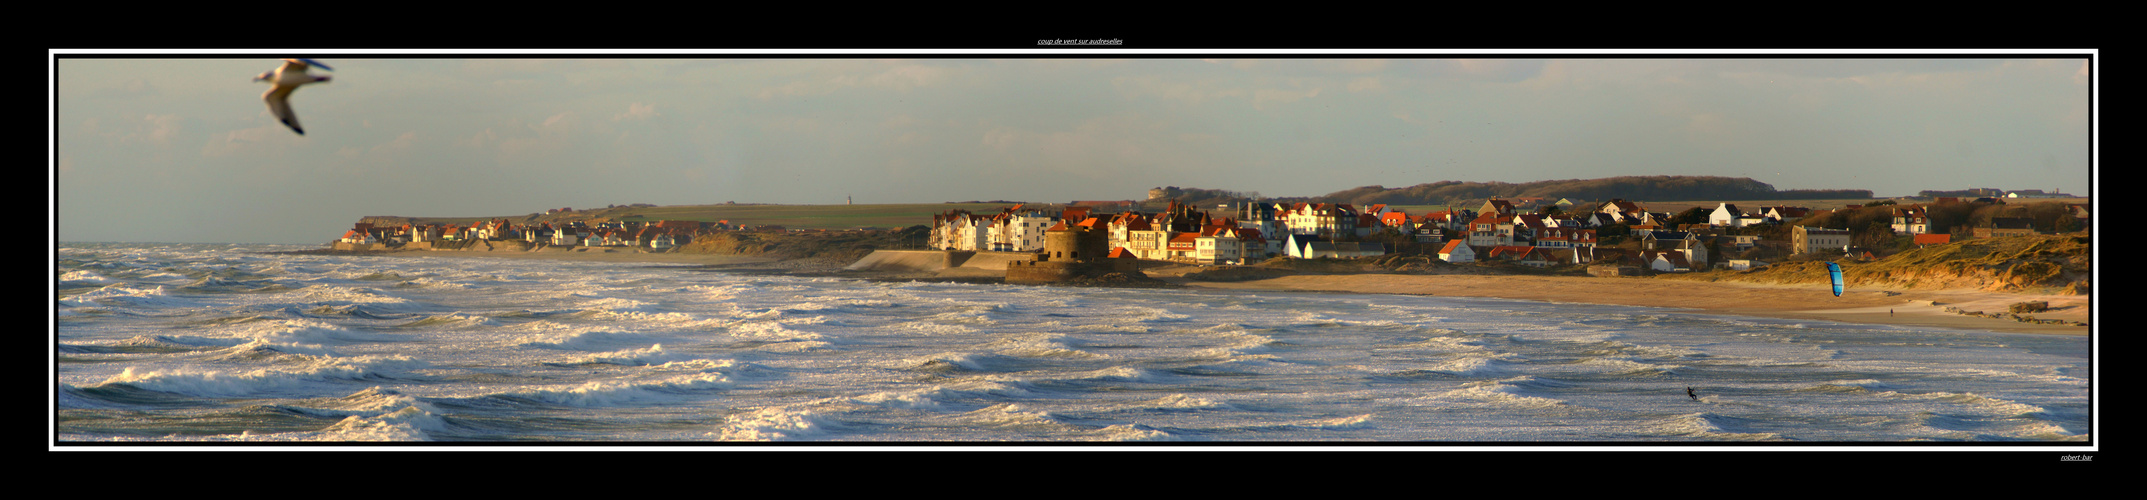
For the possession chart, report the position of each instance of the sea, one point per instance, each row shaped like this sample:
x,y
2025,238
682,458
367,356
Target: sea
x,y
234,344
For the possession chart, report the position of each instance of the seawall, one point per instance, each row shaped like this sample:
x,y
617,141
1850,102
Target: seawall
x,y
903,260
935,260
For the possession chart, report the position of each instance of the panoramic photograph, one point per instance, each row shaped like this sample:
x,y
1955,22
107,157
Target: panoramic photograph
x,y
1305,250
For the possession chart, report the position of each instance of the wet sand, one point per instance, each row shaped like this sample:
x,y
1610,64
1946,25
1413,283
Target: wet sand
x,y
1886,306
1872,306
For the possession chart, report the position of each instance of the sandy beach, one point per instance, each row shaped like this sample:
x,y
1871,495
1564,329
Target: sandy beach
x,y
1880,306
1887,306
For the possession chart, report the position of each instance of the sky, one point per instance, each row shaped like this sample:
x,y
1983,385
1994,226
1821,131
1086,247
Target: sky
x,y
175,147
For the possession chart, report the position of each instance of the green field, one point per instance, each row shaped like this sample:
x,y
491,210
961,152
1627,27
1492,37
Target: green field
x,y
888,216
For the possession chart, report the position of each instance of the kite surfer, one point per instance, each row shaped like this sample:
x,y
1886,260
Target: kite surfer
x,y
1688,392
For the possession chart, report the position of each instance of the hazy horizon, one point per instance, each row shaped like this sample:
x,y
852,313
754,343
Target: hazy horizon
x,y
181,149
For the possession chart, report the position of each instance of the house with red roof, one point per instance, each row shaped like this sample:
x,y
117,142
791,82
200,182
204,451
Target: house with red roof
x,y
1520,254
1451,220
1369,224
1554,238
1497,206
960,230
1785,214
1625,212
1220,246
358,237
1321,219
1913,219
1666,260
1491,229
1254,244
1182,247
1457,251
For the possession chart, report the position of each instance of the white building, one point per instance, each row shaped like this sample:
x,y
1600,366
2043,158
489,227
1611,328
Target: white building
x,y
1805,239
1222,248
1457,251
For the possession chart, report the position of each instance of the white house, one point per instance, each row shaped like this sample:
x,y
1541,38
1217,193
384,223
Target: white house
x,y
1726,215
1743,264
1490,230
1223,247
1321,218
1457,251
1911,220
1805,239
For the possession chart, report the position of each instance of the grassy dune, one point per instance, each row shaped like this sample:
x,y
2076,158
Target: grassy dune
x,y
2061,264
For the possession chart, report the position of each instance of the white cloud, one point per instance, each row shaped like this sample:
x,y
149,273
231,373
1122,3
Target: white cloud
x,y
637,111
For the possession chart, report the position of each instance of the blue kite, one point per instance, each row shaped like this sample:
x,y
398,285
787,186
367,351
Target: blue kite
x,y
1835,270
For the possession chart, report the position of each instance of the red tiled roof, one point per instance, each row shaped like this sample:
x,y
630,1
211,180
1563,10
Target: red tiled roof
x,y
1074,213
1515,251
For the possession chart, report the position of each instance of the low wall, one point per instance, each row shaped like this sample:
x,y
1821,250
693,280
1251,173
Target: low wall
x,y
902,260
935,260
344,245
996,260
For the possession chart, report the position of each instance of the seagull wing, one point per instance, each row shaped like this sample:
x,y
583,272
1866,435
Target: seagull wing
x,y
310,62
279,104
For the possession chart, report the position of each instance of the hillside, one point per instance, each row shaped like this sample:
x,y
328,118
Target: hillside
x,y
832,217
833,247
1658,187
2061,264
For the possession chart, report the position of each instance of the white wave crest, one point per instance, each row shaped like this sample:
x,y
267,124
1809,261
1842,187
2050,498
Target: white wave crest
x,y
912,400
1474,366
255,382
582,340
1711,426
611,394
338,295
772,424
930,328
85,278
1496,395
654,355
1135,432
118,295
769,330
407,424
1181,402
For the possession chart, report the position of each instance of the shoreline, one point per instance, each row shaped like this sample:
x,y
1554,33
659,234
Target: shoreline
x,y
1868,305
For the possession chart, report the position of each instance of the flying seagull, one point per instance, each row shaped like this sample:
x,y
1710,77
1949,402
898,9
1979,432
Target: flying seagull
x,y
284,80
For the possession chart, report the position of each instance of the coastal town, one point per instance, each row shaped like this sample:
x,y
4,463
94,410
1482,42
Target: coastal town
x,y
1615,237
